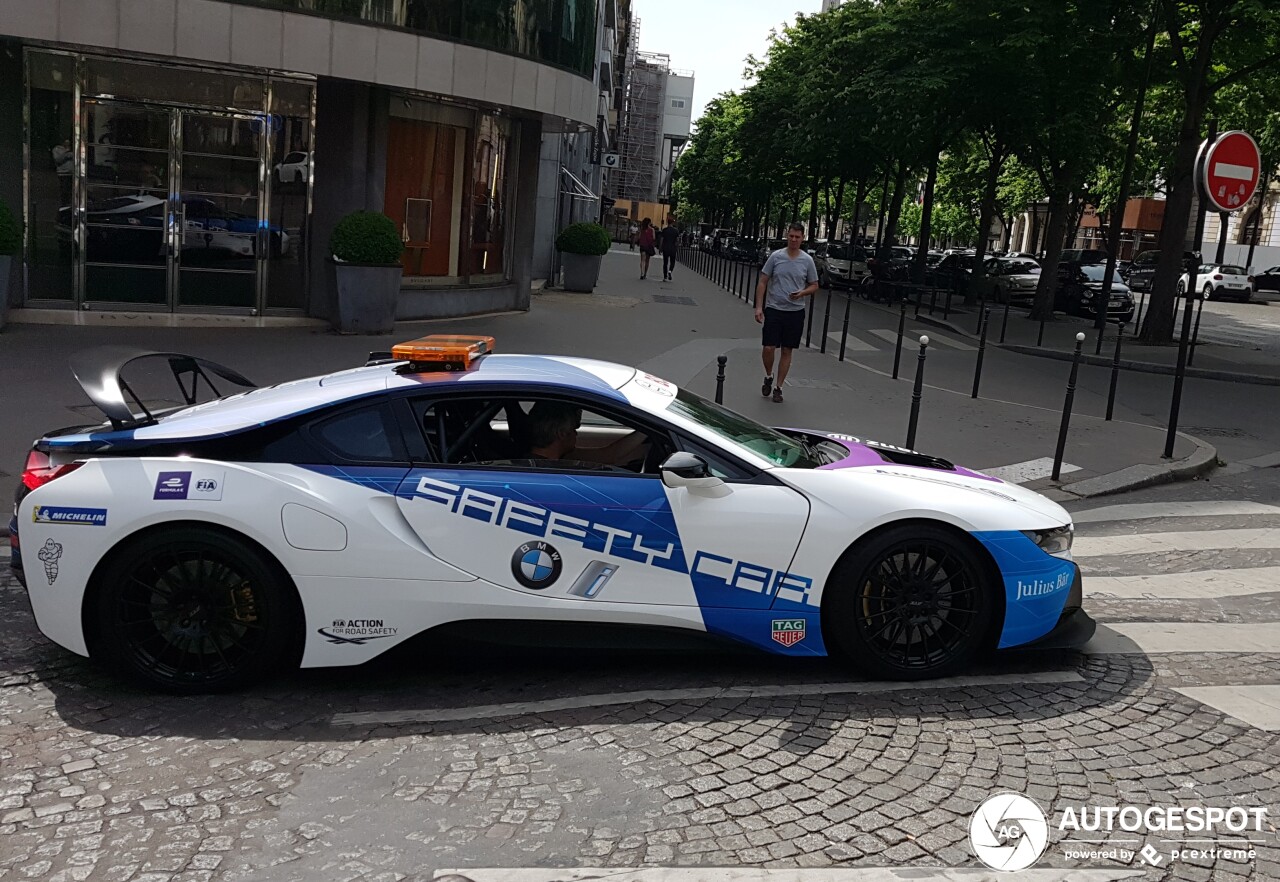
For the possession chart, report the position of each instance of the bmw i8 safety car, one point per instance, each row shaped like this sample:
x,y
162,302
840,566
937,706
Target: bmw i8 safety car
x,y
325,520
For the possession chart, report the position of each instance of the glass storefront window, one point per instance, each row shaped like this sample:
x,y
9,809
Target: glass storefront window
x,y
559,32
289,184
424,195
171,83
488,203
51,166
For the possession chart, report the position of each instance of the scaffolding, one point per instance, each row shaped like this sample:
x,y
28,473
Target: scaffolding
x,y
640,136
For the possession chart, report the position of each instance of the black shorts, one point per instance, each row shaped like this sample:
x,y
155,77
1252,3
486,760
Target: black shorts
x,y
782,327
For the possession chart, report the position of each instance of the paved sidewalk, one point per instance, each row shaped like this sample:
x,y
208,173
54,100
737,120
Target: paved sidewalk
x,y
674,330
1237,342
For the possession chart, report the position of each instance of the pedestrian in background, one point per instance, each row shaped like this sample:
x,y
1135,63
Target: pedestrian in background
x,y
787,278
669,239
631,237
645,240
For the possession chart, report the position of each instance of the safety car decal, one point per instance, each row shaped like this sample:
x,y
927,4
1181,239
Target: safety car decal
x,y
1036,585
619,517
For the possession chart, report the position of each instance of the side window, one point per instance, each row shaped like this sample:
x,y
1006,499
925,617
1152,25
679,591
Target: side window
x,y
536,433
367,435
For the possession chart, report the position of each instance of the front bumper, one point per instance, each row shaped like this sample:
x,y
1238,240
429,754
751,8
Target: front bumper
x,y
1075,626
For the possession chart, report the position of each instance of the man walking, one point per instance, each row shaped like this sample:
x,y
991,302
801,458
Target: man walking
x,y
788,276
669,242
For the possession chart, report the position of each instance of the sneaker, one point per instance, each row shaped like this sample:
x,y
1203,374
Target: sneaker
x,y
766,387
777,395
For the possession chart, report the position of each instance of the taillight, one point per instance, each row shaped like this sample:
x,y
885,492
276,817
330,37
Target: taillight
x,y
1217,277
40,471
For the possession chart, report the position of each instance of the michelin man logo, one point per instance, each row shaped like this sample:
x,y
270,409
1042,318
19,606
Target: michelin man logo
x,y
49,554
1008,832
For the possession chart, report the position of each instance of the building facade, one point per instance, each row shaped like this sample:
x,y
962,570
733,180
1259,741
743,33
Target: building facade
x,y
194,155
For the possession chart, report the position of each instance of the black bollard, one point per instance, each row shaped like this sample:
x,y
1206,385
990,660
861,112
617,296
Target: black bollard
x,y
897,349
982,348
933,299
737,279
1066,409
946,306
1040,336
844,333
1137,320
1179,375
1115,372
916,394
1195,334
1004,325
720,363
982,313
1097,349
808,325
826,324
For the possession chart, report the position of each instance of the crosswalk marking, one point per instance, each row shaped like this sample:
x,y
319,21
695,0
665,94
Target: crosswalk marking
x,y
1188,586
774,874
1141,511
1165,543
853,343
935,337
1257,706
892,337
1031,470
1115,638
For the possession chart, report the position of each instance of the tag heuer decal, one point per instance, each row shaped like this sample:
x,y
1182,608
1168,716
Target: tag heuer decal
x,y
788,632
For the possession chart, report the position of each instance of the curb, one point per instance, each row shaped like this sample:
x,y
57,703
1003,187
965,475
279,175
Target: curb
x,y
1146,367
1199,462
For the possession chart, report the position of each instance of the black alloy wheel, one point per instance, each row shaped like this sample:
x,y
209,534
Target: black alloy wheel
x,y
192,610
914,603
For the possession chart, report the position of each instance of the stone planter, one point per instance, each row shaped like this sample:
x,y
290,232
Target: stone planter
x,y
581,271
367,297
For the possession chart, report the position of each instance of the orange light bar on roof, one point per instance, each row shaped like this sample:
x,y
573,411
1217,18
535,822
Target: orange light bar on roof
x,y
442,352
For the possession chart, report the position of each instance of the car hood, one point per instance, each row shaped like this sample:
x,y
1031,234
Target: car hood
x,y
922,477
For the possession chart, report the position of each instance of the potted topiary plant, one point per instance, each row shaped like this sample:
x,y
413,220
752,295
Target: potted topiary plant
x,y
583,246
10,244
366,251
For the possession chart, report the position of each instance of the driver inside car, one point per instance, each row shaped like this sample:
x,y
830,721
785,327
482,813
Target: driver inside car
x,y
553,435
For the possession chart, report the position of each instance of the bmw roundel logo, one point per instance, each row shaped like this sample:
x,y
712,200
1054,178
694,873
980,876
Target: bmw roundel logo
x,y
536,565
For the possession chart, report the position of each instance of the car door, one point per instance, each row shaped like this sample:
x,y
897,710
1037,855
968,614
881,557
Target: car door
x,y
558,529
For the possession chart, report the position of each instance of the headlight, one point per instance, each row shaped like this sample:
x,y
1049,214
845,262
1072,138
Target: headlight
x,y
1056,541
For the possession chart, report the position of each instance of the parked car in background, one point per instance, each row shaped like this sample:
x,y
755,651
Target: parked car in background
x,y
1267,280
844,266
1079,292
953,270
1143,269
1014,280
745,248
1223,281
932,258
1083,255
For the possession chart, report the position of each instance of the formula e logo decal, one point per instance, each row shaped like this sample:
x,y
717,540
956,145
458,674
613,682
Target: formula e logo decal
x,y
788,632
355,632
172,485
536,565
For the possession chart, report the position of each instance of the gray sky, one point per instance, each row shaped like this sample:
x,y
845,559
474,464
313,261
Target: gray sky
x,y
713,37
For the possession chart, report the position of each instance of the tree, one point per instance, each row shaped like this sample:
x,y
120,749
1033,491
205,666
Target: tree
x,y
1203,65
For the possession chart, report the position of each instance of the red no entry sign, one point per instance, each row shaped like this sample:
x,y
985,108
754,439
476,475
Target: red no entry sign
x,y
1230,171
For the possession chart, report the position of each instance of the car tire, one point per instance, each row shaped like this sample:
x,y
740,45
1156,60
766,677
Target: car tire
x,y
894,642
1208,292
153,622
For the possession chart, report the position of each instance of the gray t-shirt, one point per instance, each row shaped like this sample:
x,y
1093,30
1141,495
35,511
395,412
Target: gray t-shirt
x,y
786,276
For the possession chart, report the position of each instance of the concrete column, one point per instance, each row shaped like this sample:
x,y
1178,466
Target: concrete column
x,y
350,172
526,208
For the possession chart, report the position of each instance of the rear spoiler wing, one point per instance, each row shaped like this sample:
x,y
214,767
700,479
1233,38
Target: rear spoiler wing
x,y
100,372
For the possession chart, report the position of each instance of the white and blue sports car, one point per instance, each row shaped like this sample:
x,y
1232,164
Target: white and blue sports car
x,y
325,520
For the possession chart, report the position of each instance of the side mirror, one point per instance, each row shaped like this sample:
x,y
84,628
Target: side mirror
x,y
684,469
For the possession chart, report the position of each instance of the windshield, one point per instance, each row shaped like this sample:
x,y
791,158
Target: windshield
x,y
1020,268
845,252
1095,271
739,431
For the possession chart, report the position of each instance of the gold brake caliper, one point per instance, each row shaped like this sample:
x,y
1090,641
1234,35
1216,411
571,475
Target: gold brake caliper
x,y
243,606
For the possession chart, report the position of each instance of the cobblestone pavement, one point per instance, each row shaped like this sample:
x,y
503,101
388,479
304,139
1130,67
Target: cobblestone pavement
x,y
295,781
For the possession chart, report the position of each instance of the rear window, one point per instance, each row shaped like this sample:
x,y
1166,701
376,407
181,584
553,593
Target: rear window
x,y
1146,258
1231,270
